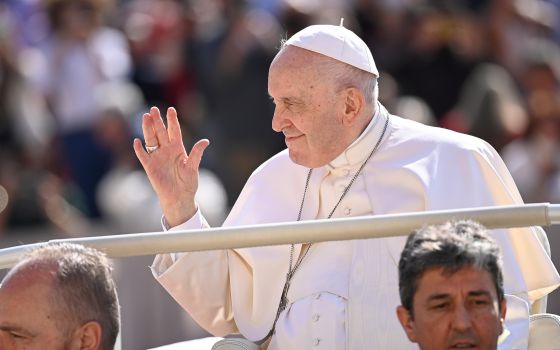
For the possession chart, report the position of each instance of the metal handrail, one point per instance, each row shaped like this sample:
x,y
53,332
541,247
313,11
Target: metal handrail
x,y
364,227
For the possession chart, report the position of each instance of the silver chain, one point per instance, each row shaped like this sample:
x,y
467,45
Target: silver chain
x,y
292,271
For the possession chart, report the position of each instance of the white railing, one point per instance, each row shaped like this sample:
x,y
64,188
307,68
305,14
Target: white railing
x,y
541,214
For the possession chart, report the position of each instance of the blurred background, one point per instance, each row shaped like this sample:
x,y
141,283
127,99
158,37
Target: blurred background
x,y
76,76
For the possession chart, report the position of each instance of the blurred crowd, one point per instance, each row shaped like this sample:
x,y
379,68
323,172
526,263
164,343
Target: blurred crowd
x,y
76,76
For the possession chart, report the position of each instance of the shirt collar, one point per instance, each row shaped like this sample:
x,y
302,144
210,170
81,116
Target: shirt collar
x,y
361,147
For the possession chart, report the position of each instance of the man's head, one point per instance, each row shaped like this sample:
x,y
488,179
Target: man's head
x,y
324,85
59,297
451,288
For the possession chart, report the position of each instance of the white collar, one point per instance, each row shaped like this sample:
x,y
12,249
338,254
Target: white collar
x,y
357,152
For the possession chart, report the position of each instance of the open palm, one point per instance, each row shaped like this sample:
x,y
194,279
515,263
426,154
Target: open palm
x,y
172,172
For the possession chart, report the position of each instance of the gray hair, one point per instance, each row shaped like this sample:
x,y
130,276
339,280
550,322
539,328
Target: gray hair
x,y
451,246
346,76
82,287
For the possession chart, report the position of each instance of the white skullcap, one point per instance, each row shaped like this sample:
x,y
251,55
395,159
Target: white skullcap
x,y
336,42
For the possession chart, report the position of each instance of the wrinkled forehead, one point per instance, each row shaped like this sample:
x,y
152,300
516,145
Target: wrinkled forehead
x,y
295,68
296,58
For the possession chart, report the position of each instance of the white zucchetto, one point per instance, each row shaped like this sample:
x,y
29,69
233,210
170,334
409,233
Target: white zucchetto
x,y
336,42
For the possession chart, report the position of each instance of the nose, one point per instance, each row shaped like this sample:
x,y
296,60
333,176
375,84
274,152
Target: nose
x,y
462,319
279,121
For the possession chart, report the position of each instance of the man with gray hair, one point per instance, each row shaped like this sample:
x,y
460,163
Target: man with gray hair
x,y
59,296
451,288
346,156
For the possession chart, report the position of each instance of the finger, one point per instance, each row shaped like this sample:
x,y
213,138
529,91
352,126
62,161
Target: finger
x,y
150,137
173,126
159,126
141,153
196,153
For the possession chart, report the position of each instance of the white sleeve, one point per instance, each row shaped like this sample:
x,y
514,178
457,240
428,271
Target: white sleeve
x,y
162,262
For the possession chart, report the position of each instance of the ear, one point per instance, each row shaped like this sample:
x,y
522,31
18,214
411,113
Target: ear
x,y
88,336
407,323
354,102
503,311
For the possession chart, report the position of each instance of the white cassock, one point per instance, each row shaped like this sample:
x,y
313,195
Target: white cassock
x,y
345,294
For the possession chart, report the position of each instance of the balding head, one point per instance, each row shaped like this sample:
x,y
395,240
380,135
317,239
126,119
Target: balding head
x,y
60,293
28,313
27,273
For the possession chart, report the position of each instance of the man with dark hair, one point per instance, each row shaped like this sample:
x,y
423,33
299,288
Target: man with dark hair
x,y
59,296
451,287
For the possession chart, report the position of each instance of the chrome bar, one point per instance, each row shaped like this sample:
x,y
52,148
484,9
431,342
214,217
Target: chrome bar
x,y
553,214
299,232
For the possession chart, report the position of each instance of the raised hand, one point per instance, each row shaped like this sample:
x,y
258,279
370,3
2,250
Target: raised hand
x,y
172,172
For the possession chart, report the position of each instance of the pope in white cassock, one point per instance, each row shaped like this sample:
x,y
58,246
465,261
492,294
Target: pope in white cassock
x,y
346,156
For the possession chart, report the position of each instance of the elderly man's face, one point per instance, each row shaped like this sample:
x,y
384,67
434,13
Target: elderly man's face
x,y
27,320
458,311
307,108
